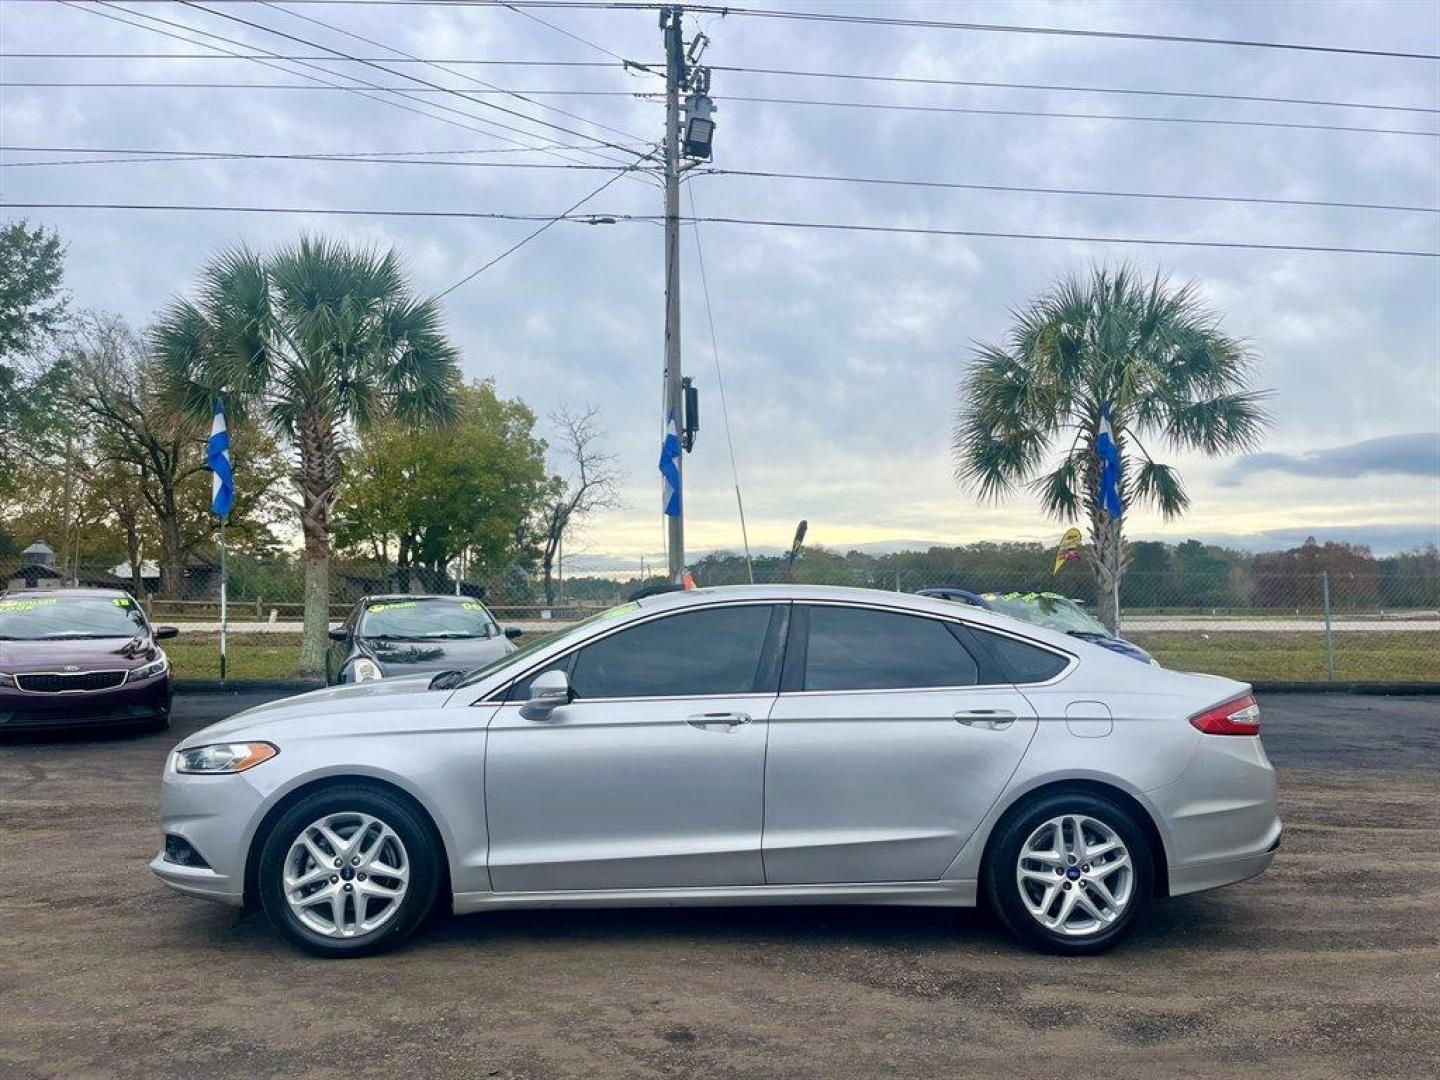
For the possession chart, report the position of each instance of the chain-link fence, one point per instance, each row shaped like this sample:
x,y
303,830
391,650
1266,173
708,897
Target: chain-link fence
x,y
1380,625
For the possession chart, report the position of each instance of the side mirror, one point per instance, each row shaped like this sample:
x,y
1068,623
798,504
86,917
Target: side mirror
x,y
164,632
512,632
548,692
338,634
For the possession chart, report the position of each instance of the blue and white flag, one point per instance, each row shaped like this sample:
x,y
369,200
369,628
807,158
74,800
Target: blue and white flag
x,y
1109,455
670,466
217,460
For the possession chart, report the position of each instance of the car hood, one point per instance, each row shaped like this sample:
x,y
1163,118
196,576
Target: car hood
x,y
86,654
379,695
437,654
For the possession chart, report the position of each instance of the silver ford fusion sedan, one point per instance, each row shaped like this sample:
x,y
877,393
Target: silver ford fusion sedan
x,y
753,745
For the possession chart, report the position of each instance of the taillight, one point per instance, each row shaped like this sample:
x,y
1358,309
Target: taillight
x,y
1240,716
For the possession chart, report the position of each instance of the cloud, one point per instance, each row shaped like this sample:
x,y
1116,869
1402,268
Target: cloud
x,y
1417,454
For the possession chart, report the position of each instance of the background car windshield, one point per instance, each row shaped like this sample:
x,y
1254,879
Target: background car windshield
x,y
41,617
1051,612
428,619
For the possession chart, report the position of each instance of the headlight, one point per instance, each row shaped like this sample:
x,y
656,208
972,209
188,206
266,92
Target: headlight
x,y
156,667
363,670
232,757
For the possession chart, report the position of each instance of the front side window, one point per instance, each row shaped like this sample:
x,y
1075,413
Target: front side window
x,y
863,649
1025,663
714,652
47,618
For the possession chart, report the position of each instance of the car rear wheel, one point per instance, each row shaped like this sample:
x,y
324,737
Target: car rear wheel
x,y
1071,874
349,871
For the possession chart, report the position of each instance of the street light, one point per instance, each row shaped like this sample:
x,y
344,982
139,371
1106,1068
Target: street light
x,y
699,128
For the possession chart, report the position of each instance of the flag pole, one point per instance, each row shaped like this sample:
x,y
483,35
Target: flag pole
x,y
224,606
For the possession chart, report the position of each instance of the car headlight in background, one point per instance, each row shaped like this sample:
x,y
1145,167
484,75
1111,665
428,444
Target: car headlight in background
x,y
363,670
220,758
157,666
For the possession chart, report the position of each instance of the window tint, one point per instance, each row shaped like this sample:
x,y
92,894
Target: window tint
x,y
857,649
1026,663
699,652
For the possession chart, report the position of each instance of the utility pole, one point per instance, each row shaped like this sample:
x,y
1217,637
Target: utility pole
x,y
674,78
685,146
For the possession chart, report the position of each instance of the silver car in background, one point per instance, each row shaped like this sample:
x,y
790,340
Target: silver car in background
x,y
748,745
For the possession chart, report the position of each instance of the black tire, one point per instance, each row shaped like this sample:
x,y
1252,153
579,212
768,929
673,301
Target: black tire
x,y
1002,890
414,831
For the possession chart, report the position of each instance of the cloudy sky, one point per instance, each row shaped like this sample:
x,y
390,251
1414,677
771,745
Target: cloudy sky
x,y
840,352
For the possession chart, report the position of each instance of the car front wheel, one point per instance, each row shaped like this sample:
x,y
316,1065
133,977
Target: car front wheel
x,y
350,870
1071,874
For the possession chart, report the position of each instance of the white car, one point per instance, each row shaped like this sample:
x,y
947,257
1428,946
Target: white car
x,y
750,745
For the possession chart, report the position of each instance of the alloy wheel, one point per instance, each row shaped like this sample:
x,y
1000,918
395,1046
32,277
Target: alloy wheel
x,y
1075,875
346,875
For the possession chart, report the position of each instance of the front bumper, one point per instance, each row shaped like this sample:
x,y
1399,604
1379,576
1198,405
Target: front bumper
x,y
125,704
215,815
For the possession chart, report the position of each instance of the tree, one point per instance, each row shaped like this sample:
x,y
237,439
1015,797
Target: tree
x,y
32,309
590,482
151,458
310,341
1153,354
429,496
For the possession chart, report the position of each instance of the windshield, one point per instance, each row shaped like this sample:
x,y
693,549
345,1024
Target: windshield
x,y
1050,610
428,618
519,656
43,618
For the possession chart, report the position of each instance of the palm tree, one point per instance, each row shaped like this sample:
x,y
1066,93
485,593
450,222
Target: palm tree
x,y
310,340
1151,353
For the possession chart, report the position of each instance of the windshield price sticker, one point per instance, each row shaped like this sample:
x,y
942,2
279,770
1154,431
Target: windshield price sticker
x,y
470,605
393,607
123,602
11,607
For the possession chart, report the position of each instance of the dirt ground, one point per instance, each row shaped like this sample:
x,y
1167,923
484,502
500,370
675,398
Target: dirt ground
x,y
1327,966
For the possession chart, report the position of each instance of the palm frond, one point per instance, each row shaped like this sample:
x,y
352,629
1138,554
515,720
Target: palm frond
x,y
1160,486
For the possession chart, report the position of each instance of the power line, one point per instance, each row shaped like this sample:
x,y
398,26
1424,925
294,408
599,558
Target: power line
x,y
449,71
561,30
562,216
1099,193
359,158
1041,113
359,90
404,74
316,56
132,85
605,218
888,20
1065,88
424,157
720,383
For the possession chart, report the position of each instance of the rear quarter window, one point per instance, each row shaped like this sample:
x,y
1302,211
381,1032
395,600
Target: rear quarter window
x,y
1024,662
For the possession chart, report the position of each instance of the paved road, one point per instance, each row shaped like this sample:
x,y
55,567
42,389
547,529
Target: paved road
x,y
1325,967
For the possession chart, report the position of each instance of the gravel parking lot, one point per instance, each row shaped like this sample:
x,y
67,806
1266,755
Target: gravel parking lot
x,y
1327,966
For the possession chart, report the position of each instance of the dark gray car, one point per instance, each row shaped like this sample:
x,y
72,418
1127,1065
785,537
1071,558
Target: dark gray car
x,y
405,635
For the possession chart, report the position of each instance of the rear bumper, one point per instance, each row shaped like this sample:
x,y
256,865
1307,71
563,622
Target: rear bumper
x,y
125,704
1196,877
1220,815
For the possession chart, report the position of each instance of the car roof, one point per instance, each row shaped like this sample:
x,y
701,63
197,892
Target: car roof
x,y
928,605
391,598
80,593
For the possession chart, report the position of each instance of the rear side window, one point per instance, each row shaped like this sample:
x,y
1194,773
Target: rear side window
x,y
1025,663
861,649
712,652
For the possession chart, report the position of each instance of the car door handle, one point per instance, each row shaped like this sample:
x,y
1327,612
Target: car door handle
x,y
986,719
727,720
